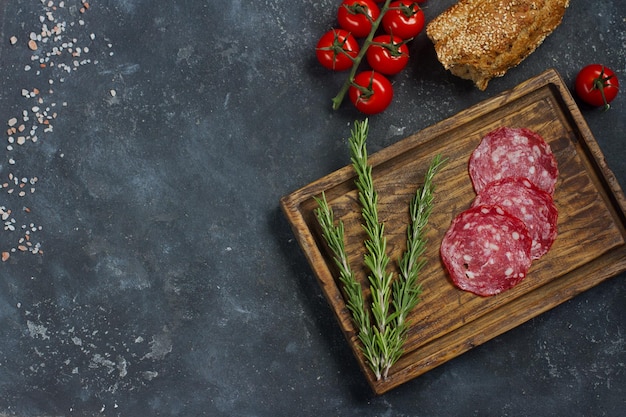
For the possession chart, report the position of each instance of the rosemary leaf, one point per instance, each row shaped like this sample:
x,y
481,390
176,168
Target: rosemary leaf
x,y
335,239
376,258
406,288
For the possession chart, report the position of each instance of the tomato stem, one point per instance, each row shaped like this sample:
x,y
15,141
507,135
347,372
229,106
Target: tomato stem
x,y
338,99
358,9
393,47
337,48
366,92
599,84
408,10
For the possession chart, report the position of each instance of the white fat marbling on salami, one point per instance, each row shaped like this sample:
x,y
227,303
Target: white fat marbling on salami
x,y
513,152
524,200
486,250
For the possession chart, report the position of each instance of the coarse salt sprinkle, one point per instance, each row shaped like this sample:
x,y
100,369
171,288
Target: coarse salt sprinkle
x,y
51,48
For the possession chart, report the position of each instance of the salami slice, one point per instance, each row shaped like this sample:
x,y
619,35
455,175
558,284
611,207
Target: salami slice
x,y
486,250
535,207
513,152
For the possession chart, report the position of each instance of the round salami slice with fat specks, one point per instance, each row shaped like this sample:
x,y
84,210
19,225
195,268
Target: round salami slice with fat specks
x,y
486,250
513,152
524,200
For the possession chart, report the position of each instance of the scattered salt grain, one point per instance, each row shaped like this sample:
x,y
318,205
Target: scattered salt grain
x,y
51,49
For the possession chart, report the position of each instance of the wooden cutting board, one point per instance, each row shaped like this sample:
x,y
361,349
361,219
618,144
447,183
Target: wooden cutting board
x,y
589,249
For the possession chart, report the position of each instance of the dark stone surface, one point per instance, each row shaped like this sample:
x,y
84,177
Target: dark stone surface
x,y
170,284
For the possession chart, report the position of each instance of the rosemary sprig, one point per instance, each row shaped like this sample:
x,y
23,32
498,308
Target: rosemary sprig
x,y
334,236
412,262
406,288
391,299
376,258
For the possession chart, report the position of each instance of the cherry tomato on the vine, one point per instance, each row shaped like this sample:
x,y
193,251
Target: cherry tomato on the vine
x,y
356,16
371,92
337,49
404,19
597,85
387,54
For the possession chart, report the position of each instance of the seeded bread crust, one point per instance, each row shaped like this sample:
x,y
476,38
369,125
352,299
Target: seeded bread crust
x,y
481,39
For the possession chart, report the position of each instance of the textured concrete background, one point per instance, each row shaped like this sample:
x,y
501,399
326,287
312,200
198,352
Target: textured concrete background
x,y
160,277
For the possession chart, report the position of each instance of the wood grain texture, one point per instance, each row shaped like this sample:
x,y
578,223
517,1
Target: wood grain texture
x,y
590,246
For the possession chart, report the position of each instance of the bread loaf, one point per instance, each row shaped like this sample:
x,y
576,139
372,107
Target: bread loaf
x,y
482,39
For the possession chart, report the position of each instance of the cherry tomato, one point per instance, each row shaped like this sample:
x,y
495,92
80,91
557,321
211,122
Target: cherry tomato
x,y
597,85
356,16
404,19
387,54
337,49
371,92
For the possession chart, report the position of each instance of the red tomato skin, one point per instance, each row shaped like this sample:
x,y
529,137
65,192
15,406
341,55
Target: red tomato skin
x,y
396,23
585,82
328,50
381,89
381,58
357,23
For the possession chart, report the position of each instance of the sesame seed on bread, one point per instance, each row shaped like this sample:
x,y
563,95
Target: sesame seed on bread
x,y
479,40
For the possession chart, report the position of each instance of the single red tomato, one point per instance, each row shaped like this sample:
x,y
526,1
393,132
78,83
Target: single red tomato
x,y
597,85
371,92
357,16
337,49
404,19
387,54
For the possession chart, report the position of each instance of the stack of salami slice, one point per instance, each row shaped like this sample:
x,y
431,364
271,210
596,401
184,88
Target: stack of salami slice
x,y
513,220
